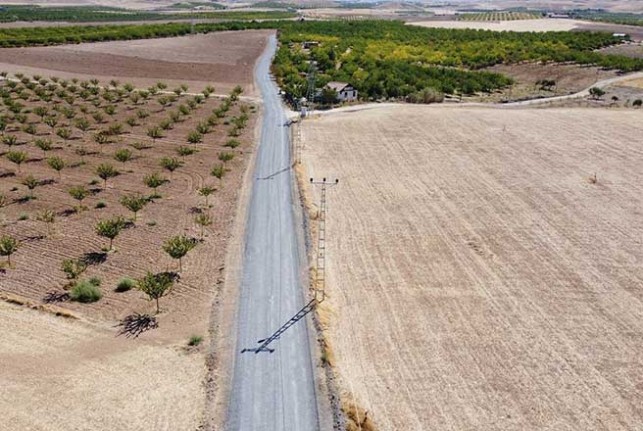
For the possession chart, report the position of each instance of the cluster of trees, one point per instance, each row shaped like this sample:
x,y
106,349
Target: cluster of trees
x,y
61,118
603,16
389,59
382,59
11,13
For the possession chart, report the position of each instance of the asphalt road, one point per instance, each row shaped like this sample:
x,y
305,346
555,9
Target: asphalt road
x,y
273,388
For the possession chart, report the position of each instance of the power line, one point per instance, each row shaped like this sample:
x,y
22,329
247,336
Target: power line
x,y
320,273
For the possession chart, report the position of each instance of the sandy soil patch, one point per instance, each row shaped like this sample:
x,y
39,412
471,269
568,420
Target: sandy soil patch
x,y
224,59
478,279
538,25
59,375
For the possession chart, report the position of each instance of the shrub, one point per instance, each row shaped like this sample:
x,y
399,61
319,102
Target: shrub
x,y
85,292
125,284
100,205
96,281
637,102
195,340
73,268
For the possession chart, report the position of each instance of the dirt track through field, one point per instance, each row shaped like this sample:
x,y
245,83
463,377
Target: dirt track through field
x,y
479,280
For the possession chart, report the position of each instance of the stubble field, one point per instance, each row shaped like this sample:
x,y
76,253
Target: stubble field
x,y
478,277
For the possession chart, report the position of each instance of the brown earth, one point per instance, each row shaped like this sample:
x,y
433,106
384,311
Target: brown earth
x,y
224,59
101,379
478,280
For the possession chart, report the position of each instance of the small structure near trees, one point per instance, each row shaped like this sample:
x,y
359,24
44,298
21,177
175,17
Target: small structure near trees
x,y
345,91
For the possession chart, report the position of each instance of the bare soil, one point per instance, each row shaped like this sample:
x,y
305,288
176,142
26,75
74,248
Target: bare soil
x,y
477,277
103,378
224,59
569,78
58,374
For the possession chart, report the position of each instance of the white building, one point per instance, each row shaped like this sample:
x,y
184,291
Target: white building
x,y
345,91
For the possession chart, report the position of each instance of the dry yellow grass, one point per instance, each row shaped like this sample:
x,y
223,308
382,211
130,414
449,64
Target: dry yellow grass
x,y
478,280
61,374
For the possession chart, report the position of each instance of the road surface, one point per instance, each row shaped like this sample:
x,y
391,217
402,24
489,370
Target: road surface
x,y
273,388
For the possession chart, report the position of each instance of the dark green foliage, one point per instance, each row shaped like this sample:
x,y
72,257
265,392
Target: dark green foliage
x,y
85,292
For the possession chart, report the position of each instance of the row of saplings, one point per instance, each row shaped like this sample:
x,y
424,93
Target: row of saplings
x,y
154,286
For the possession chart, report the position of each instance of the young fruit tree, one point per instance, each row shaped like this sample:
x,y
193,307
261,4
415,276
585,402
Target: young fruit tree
x,y
178,246
73,268
16,157
57,164
155,286
110,228
134,203
48,217
206,191
203,220
79,193
8,246
106,171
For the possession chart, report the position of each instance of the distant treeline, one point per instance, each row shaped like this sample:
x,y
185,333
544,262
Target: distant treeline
x,y
382,59
105,14
603,16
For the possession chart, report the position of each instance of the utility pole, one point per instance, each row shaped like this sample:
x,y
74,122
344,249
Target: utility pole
x,y
320,273
312,71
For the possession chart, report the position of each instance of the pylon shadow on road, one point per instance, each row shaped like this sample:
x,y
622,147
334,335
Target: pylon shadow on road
x,y
271,176
265,342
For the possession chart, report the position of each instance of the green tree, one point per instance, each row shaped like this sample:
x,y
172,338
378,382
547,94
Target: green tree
x,y
106,171
79,193
110,228
206,191
8,246
154,133
43,144
123,155
31,182
171,164
178,246
194,137
134,203
203,220
596,92
17,157
154,180
48,217
57,164
155,286
73,268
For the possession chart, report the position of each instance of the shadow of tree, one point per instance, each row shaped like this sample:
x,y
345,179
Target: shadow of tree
x,y
93,258
52,297
135,324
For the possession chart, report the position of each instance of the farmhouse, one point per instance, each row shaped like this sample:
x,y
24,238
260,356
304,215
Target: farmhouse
x,y
345,91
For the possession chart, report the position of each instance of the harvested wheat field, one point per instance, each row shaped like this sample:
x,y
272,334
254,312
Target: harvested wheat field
x,y
479,278
538,25
64,374
223,59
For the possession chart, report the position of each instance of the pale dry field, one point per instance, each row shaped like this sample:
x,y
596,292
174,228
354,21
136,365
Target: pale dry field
x,y
538,25
224,59
62,375
478,280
